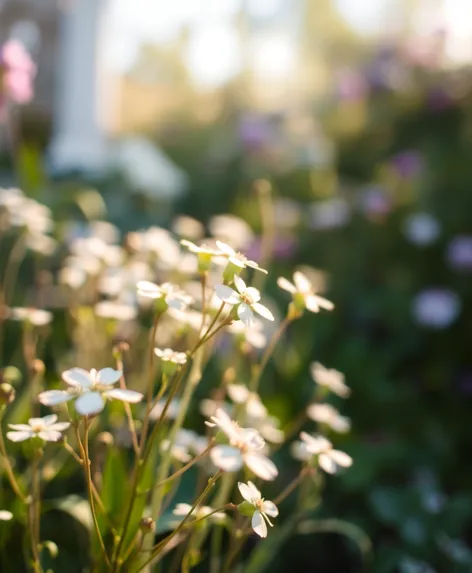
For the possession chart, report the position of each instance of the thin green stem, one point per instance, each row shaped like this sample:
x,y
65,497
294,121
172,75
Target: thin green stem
x,y
8,469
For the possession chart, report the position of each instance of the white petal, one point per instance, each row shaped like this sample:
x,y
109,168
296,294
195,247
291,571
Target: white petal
x,y
147,286
77,377
327,463
5,515
263,311
36,422
286,285
224,248
182,509
240,284
341,458
261,466
238,262
325,303
60,426
270,508
124,395
238,393
89,403
50,435
301,282
255,266
258,524
226,458
253,294
54,397
245,314
108,376
20,427
19,436
49,419
227,294
249,492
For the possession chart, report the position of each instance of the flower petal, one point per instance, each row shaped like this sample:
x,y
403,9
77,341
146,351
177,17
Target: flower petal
x,y
5,515
77,377
124,395
49,419
261,466
258,524
60,426
89,403
301,282
263,311
327,463
284,284
50,435
245,314
108,376
270,508
255,266
227,294
341,458
253,294
54,397
249,492
226,458
240,284
20,436
225,249
20,427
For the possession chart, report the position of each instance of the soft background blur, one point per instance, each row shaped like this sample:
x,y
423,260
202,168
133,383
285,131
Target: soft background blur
x,y
359,112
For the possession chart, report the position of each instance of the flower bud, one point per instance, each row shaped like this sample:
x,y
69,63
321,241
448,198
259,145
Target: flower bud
x,y
105,439
247,509
7,394
10,374
38,366
147,525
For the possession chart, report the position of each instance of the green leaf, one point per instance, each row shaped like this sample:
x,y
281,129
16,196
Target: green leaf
x,y
112,491
77,507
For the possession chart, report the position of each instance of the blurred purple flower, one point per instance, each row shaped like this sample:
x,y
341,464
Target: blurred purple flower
x,y
459,253
350,85
17,71
375,202
254,131
407,164
436,308
285,248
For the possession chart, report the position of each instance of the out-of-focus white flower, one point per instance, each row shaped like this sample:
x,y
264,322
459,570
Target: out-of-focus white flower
x,y
245,445
327,414
436,308
171,360
237,259
246,298
303,293
47,428
329,214
201,511
35,316
421,229
254,336
71,276
263,508
171,412
115,310
42,244
268,428
239,394
459,253
170,294
330,378
89,389
188,227
5,515
329,459
204,253
287,213
231,229
208,407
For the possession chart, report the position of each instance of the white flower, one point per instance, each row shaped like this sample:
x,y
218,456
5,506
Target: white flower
x,y
90,389
328,458
201,511
245,445
303,293
35,316
239,394
253,336
326,414
232,229
264,509
200,250
5,515
171,412
169,355
172,295
186,226
421,229
247,299
330,378
115,310
237,259
436,308
47,428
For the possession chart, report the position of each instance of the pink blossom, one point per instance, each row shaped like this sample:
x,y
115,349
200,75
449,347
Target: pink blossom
x,y
17,71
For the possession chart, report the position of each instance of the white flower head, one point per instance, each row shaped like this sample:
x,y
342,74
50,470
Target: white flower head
x,y
237,259
327,414
246,298
169,355
47,428
263,508
35,316
171,413
5,515
329,459
330,378
303,294
244,448
89,389
204,253
171,295
239,394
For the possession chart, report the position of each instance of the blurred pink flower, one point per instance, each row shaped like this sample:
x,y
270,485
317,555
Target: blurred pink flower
x,y
459,253
17,71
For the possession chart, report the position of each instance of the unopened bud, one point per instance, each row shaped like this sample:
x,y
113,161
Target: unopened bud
x,y
105,439
10,374
38,366
7,394
147,525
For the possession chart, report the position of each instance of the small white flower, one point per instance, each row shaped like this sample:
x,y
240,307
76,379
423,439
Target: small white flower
x,y
47,428
247,299
169,355
326,414
330,378
253,336
35,316
264,508
90,389
239,394
237,259
5,515
172,295
171,413
303,293
245,448
231,229
329,459
200,250
115,310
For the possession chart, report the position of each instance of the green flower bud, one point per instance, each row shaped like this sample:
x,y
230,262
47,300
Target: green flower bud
x,y
7,394
246,508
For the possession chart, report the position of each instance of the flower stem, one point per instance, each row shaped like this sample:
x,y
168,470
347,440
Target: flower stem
x,y
8,469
